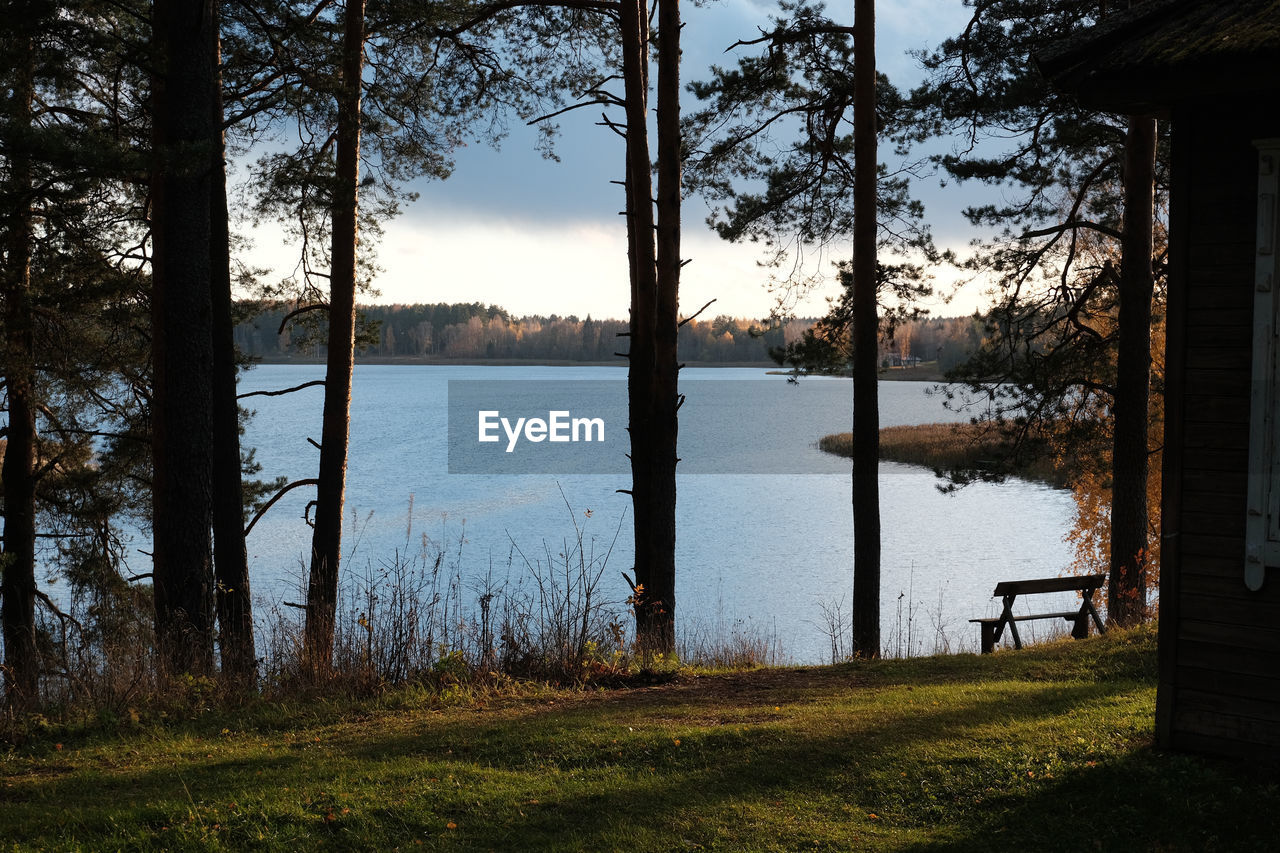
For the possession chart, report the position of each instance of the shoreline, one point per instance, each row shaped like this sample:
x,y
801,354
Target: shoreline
x,y
925,372
495,362
950,447
770,368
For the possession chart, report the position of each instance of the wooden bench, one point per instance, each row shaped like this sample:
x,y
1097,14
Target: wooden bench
x,y
1086,585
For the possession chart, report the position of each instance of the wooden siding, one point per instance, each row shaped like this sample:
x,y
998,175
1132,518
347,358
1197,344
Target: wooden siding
x,y
1219,642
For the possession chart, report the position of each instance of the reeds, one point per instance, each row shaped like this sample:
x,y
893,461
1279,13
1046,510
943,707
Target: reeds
x,y
976,449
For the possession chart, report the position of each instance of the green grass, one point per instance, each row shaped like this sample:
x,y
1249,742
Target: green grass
x,y
946,447
1045,749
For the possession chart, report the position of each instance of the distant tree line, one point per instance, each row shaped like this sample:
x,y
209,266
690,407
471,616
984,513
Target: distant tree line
x,y
479,331
948,341
474,330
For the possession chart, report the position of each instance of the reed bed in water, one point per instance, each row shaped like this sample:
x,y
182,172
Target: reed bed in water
x,y
971,448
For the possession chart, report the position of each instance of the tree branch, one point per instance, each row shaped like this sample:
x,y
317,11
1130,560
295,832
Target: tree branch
x,y
278,495
611,100
605,121
65,617
495,9
303,310
1073,225
282,391
694,314
783,35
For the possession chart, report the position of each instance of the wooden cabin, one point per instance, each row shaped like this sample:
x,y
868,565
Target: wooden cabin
x,y
1213,70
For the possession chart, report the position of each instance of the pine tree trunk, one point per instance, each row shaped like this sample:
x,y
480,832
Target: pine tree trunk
x,y
642,365
666,364
230,557
866,329
18,477
1127,587
326,542
182,354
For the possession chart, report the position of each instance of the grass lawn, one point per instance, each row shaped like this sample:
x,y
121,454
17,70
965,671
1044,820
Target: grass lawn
x,y
1045,749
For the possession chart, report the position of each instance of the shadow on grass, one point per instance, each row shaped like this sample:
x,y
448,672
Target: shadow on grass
x,y
953,754
822,759
676,767
1142,800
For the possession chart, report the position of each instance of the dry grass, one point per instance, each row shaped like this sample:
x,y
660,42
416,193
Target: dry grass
x,y
948,448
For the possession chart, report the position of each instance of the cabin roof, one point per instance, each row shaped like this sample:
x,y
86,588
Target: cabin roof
x,y
1162,52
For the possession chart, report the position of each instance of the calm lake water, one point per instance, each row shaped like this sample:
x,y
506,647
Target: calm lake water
x,y
755,552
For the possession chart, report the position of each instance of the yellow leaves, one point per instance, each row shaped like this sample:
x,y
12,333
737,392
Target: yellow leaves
x,y
1090,535
451,825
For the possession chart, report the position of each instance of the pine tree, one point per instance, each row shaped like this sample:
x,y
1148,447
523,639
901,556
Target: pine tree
x,y
397,91
824,184
182,349
1074,250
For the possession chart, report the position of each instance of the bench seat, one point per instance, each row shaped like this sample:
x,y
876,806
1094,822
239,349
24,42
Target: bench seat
x,y
1069,615
993,626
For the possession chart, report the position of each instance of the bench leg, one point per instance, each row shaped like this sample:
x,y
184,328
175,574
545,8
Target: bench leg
x,y
1013,631
1080,628
988,637
1088,603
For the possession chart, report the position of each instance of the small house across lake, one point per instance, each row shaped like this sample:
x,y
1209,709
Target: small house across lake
x,y
1213,69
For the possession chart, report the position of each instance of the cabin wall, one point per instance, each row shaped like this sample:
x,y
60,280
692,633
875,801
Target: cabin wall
x,y
1219,642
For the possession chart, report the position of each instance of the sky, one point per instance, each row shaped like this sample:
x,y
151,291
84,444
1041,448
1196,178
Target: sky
x,y
535,236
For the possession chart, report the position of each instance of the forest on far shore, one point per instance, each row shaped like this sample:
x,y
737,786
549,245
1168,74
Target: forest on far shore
x,y
462,331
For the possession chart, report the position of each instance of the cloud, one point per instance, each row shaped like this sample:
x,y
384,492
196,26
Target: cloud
x,y
566,267
536,236
576,267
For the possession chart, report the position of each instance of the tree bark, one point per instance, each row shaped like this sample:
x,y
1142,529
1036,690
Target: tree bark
x,y
652,609
866,329
326,542
182,355
1127,585
18,477
230,557
666,396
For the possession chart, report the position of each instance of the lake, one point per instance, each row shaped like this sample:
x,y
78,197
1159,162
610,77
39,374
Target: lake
x,y
756,552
